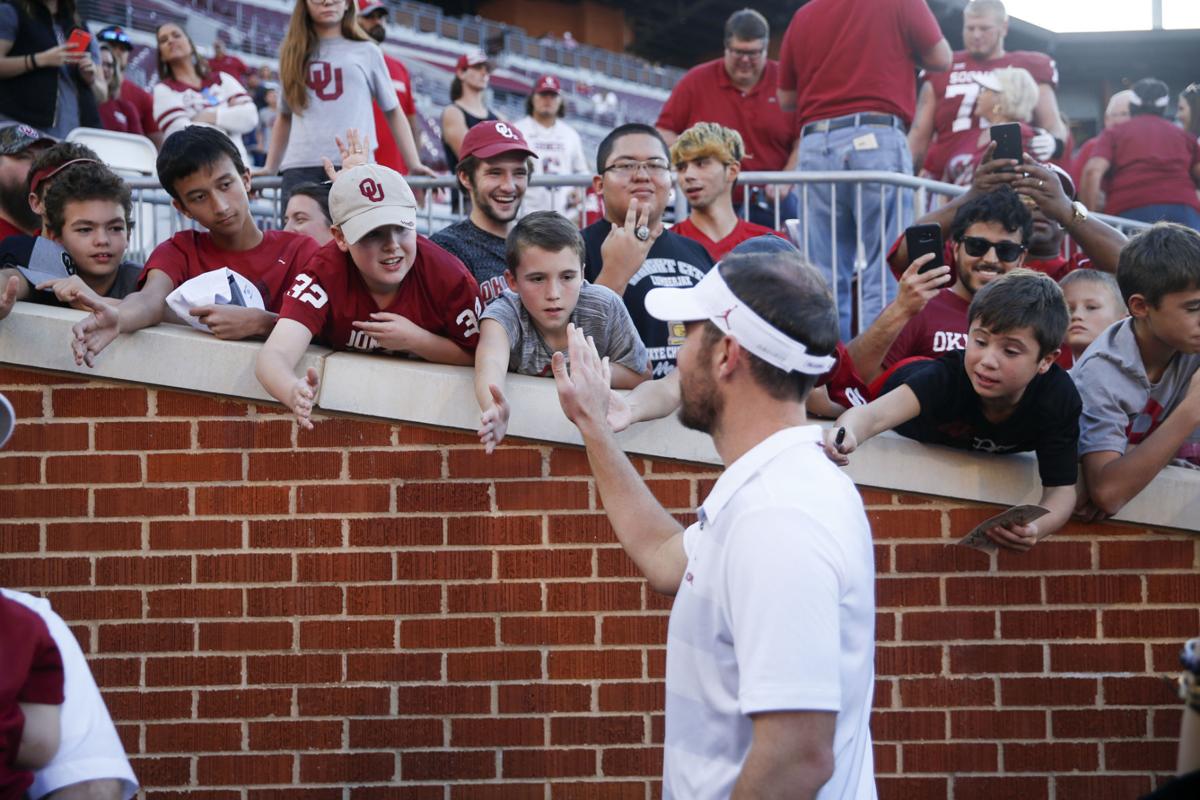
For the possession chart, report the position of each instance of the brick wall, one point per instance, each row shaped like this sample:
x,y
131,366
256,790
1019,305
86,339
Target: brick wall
x,y
277,614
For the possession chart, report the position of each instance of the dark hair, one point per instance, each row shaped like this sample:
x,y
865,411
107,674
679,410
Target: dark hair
x,y
1191,96
746,25
548,230
54,157
80,183
319,192
1002,206
562,107
199,62
1023,298
620,132
455,88
1158,262
470,165
190,150
787,292
1150,96
67,15
1106,279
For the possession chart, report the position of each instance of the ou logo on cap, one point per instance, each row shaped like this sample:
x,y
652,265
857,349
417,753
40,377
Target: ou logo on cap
x,y
505,131
371,190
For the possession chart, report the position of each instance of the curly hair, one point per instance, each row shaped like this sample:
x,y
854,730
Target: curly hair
x,y
80,183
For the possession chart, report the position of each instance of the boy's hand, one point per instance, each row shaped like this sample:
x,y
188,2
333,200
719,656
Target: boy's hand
x,y
392,331
69,290
917,288
620,413
840,442
8,295
493,423
302,396
234,322
622,250
1013,536
583,391
94,332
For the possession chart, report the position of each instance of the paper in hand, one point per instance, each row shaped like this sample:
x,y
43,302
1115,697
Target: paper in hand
x,y
1018,515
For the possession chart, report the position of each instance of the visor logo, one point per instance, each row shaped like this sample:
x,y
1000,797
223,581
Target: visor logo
x,y
371,190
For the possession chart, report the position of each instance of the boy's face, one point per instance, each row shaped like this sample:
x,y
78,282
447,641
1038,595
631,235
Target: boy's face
x,y
706,180
1093,308
216,196
1176,320
383,256
548,284
304,215
976,271
96,234
1001,364
498,186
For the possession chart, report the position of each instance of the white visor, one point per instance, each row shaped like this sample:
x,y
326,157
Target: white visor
x,y
711,299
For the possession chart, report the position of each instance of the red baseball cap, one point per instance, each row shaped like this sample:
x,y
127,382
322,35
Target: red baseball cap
x,y
492,138
470,60
368,7
548,83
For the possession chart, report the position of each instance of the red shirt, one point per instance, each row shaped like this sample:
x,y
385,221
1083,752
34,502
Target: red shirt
x,y
741,232
143,101
438,294
1151,164
120,115
387,153
705,94
960,164
845,386
230,64
846,56
7,229
30,672
954,117
941,327
269,265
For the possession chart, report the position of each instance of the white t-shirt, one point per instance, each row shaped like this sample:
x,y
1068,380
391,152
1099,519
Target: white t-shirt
x,y
560,152
176,104
776,612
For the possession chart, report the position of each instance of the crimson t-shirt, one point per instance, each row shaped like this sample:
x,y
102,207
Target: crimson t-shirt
x,y
956,91
386,152
845,386
121,116
940,327
438,294
7,229
847,56
269,265
31,671
143,101
741,232
1151,164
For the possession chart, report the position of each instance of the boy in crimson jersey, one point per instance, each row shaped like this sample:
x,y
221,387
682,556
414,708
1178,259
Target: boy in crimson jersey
x,y
208,182
377,287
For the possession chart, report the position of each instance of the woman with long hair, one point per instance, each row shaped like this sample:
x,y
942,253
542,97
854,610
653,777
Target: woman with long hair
x,y
331,71
116,113
1187,113
44,81
189,93
468,104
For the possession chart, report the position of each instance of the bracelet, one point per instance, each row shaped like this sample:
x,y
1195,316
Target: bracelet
x,y
33,60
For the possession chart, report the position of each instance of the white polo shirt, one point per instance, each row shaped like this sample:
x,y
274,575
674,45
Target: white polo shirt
x,y
776,612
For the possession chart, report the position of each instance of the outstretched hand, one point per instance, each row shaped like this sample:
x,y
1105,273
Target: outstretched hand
x,y
94,332
583,389
839,443
493,423
302,397
8,295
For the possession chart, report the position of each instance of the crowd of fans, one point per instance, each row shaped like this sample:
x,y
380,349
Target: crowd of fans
x,y
968,346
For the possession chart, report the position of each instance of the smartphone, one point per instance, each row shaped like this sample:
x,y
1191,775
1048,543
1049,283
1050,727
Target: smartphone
x,y
1008,140
922,240
79,40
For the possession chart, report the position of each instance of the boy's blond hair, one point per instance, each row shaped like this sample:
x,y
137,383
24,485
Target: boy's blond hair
x,y
708,139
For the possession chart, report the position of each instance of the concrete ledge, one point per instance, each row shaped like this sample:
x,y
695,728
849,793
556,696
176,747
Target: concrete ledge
x,y
38,337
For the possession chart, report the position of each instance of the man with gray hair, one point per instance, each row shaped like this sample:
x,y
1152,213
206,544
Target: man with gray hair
x,y
1116,112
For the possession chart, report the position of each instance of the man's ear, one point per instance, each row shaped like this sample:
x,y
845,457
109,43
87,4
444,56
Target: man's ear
x,y
246,180
728,356
735,169
598,184
340,238
510,278
35,204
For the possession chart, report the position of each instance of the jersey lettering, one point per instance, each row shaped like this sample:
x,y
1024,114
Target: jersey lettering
x,y
966,107
306,291
361,340
948,341
470,321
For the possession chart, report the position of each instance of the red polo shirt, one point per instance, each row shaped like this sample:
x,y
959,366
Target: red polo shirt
x,y
706,94
387,153
741,232
1151,163
847,56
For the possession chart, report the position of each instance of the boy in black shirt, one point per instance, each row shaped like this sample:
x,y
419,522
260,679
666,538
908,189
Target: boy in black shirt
x,y
1004,394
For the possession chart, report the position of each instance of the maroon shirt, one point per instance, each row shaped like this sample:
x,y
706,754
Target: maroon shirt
x,y
846,56
230,64
741,232
1151,164
30,672
438,294
143,101
386,151
269,265
941,327
120,115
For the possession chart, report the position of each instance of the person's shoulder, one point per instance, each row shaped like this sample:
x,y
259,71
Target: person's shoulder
x,y
599,296
754,230
16,249
1113,352
187,241
435,259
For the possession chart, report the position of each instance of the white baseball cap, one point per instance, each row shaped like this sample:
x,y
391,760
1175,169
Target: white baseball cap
x,y
713,300
370,196
218,287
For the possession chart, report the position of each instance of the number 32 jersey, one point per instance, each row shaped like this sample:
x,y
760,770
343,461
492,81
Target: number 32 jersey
x,y
328,296
955,123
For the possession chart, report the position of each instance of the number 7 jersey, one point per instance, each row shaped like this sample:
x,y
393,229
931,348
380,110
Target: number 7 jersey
x,y
328,296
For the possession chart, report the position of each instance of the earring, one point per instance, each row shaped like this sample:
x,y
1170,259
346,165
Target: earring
x,y
996,109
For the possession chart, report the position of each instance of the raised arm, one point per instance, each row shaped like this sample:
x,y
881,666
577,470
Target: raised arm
x,y
862,422
454,127
491,369
870,347
141,309
921,132
1089,181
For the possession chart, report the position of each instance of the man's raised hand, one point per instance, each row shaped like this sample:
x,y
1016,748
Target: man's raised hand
x,y
583,390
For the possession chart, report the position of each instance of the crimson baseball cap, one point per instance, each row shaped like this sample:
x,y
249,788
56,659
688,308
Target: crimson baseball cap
x,y
491,138
548,83
18,137
370,196
470,60
368,7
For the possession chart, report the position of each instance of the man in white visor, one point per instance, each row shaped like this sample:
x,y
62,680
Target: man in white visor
x,y
770,650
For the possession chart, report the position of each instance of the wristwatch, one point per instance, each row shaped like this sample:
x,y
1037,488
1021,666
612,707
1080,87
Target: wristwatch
x,y
1188,683
1079,213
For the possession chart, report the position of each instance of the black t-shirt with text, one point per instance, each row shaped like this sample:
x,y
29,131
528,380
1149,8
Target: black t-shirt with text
x,y
480,251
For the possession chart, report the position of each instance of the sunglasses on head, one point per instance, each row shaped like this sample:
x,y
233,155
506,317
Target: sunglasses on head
x,y
977,246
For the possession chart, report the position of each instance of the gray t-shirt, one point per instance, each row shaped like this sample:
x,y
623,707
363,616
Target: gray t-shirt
x,y
600,313
1120,405
344,76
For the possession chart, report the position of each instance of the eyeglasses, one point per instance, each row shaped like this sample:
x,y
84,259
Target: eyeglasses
x,y
627,169
750,54
977,246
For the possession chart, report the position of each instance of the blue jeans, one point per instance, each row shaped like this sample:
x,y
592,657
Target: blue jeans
x,y
853,245
1168,212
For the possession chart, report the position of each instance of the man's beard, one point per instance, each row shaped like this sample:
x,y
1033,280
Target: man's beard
x,y
699,403
378,33
15,202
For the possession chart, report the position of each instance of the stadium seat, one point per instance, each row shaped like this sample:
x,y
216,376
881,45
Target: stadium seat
x,y
125,153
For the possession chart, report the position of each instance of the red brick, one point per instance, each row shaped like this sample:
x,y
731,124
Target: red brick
x,y
116,672
97,401
975,659
906,523
1049,691
506,462
26,469
547,630
243,703
97,604
634,630
939,558
1139,691
573,461
418,497
1002,725
308,465
908,660
671,493
162,771
505,530
180,404
505,732
1053,555
541,494
341,702
490,665
205,671
140,704
38,437
91,537
951,757
397,532
347,768
422,435
146,637
542,563
350,434
990,592
946,692
556,763
393,600
39,573
909,788
193,737
206,534
907,592
1143,554
594,596
1157,755
1109,723
395,464
347,635
244,770
1094,589
244,434
606,664
393,667
1004,787
139,436
295,533
1097,658
597,730
242,636
89,470
627,761
580,528
632,696
1157,623
289,669
1104,786
1173,588
1056,624
143,570
294,601
442,565
293,735
29,503
908,726
493,597
351,567
27,404
447,765
396,733
939,626
544,698
343,498
438,633
241,501
443,700
1055,757
194,603
193,467
244,568
19,538
141,502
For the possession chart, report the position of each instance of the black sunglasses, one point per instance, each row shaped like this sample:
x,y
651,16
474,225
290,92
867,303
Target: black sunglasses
x,y
977,246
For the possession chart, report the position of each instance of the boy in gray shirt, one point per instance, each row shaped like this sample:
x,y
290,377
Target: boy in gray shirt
x,y
522,329
1140,379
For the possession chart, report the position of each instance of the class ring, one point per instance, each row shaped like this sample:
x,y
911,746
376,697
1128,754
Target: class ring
x,y
642,232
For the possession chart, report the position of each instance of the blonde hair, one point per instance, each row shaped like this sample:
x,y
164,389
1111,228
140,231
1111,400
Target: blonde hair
x,y
708,139
1018,93
977,8
300,43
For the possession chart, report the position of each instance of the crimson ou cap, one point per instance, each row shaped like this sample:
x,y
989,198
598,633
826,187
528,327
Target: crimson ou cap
x,y
368,7
492,138
548,83
470,60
